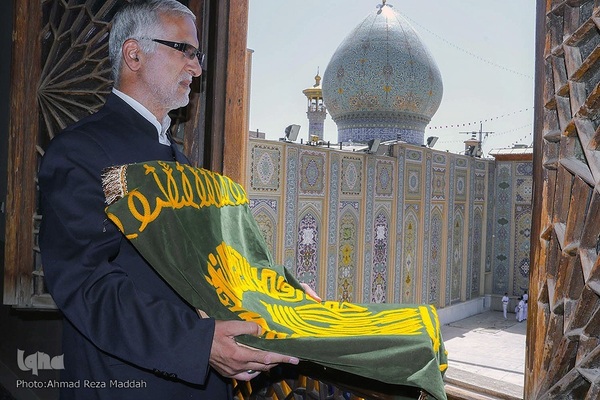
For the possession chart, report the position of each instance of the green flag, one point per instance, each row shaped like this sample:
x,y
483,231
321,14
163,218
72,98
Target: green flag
x,y
196,229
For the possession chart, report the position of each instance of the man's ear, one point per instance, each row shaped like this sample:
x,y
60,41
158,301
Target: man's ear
x,y
131,54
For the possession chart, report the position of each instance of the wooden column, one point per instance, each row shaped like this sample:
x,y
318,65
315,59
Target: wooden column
x,y
236,134
22,158
194,135
535,335
220,141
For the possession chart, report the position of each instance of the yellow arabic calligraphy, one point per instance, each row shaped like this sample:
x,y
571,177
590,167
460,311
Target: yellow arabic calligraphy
x,y
192,187
293,314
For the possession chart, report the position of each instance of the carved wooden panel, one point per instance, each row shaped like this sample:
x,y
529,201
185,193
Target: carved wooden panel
x,y
563,352
74,81
75,76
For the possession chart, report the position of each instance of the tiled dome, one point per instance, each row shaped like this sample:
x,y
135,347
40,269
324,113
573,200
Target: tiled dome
x,y
381,82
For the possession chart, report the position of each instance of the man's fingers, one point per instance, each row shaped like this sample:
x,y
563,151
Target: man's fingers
x,y
310,292
271,359
246,375
235,328
238,361
255,368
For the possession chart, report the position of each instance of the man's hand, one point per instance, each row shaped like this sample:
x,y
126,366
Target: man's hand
x,y
237,361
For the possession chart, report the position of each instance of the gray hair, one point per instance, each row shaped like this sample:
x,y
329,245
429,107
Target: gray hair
x,y
137,20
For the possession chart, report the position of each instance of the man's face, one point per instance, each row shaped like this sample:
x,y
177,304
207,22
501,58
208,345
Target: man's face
x,y
169,72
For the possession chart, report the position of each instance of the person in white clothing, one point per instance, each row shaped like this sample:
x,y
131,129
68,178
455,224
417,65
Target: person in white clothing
x,y
505,304
520,309
525,298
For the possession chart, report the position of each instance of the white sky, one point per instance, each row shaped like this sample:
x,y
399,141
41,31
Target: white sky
x,y
483,48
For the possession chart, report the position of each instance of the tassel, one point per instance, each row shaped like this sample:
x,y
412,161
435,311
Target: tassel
x,y
114,183
423,395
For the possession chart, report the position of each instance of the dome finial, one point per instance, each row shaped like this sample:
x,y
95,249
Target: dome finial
x,y
383,4
317,79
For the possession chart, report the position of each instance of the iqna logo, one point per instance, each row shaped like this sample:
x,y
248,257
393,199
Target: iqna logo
x,y
39,361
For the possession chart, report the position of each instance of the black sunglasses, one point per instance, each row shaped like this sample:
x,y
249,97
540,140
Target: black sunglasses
x,y
187,49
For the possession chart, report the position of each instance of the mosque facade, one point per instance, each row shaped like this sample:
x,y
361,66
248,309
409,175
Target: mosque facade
x,y
415,226
409,224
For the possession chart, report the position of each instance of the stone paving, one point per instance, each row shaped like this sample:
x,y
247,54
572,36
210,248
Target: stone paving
x,y
487,351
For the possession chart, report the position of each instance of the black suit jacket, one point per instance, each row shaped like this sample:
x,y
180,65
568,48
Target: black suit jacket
x,y
123,325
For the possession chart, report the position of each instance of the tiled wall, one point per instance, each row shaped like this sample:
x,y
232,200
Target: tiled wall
x,y
409,228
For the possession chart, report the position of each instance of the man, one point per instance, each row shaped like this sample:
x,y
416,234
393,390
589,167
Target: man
x,y
505,304
127,334
519,309
525,298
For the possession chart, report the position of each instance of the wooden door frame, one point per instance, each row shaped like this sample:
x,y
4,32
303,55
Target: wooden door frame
x,y
537,189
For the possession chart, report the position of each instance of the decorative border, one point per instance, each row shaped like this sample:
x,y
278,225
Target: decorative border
x,y
265,168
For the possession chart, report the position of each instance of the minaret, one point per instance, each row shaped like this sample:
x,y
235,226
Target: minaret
x,y
316,109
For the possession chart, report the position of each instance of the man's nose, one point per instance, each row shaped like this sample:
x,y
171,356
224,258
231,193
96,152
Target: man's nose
x,y
195,67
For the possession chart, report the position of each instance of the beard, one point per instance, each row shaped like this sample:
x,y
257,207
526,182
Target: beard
x,y
183,99
172,96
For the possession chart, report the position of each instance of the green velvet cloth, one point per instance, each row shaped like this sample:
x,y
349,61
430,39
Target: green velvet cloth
x,y
196,229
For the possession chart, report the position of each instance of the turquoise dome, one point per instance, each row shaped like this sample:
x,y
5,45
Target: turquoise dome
x,y
382,82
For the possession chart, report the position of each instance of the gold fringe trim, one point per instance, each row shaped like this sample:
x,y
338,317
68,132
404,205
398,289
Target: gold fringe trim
x,y
114,183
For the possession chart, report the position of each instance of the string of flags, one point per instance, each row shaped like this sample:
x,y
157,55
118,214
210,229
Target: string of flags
x,y
469,52
478,122
514,129
526,137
